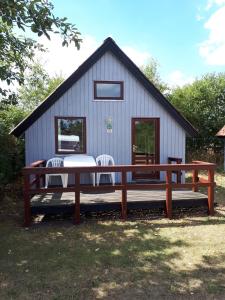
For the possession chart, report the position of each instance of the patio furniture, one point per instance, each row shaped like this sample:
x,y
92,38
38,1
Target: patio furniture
x,y
80,160
105,160
54,163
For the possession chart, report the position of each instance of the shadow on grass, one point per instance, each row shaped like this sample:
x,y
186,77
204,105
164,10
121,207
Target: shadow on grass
x,y
135,261
105,260
188,217
89,261
109,260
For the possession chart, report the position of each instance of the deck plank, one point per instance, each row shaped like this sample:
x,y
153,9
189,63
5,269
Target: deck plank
x,y
132,196
64,202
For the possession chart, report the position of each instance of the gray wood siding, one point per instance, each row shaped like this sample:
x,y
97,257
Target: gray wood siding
x,y
78,101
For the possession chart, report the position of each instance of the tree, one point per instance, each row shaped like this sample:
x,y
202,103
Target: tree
x,y
11,149
37,86
203,104
17,51
151,72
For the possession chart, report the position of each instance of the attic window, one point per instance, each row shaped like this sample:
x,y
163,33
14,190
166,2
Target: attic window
x,y
108,90
70,135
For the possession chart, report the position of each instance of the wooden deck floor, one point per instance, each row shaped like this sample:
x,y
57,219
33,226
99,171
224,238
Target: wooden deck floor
x,y
94,202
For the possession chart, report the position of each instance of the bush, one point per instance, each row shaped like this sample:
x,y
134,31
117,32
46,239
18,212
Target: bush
x,y
11,149
205,149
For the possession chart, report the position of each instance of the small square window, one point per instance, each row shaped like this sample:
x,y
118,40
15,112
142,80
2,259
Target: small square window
x,y
108,90
70,135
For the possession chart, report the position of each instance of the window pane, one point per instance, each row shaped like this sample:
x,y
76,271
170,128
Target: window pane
x,y
71,135
108,90
145,137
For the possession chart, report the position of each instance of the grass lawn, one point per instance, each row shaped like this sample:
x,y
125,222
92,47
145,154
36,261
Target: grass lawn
x,y
156,258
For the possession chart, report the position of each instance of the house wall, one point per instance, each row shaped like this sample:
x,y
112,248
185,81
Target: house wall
x,y
78,101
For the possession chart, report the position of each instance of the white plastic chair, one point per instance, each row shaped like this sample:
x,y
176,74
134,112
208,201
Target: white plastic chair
x,y
105,160
54,163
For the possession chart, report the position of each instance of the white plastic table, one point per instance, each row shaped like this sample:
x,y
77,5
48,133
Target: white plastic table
x,y
80,160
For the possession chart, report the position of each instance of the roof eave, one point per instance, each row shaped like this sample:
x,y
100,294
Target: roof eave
x,y
108,45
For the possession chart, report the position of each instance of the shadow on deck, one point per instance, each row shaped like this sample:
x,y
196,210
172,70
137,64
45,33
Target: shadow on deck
x,y
54,203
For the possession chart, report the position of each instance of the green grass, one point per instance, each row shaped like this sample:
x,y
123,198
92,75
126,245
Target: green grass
x,y
141,259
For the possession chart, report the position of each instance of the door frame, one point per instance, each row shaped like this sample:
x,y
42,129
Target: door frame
x,y
157,142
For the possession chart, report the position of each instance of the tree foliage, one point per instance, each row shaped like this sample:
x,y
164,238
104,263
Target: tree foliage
x,y
203,103
151,72
37,86
11,149
34,16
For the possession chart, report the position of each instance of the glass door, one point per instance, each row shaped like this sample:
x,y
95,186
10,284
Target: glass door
x,y
145,145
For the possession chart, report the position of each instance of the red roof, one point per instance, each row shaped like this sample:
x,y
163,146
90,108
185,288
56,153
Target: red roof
x,y
221,132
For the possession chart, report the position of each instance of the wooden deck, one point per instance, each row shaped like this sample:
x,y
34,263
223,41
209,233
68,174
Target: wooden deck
x,y
123,196
94,202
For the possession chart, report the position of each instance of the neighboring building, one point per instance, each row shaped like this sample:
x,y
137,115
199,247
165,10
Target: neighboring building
x,y
106,106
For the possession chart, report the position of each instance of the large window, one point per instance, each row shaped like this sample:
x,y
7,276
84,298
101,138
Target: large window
x,y
108,90
70,135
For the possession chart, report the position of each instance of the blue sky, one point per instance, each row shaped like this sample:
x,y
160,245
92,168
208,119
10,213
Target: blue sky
x,y
185,36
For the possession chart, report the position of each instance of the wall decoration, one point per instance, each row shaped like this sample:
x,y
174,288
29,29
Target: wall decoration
x,y
108,123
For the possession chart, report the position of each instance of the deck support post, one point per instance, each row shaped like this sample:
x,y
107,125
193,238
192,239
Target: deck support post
x,y
124,196
77,199
169,194
195,180
211,192
26,198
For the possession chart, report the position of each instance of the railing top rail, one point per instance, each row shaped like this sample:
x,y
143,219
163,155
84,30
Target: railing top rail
x,y
202,162
120,168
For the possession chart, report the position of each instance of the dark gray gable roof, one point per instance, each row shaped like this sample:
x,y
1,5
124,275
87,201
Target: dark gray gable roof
x,y
108,45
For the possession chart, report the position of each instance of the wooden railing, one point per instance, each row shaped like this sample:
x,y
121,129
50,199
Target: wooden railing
x,y
124,186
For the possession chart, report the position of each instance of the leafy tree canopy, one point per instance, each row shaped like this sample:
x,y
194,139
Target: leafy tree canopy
x,y
151,72
203,103
37,86
16,51
11,149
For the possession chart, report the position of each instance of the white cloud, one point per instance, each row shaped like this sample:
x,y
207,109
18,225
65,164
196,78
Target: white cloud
x,y
212,3
178,78
65,60
137,56
213,49
199,17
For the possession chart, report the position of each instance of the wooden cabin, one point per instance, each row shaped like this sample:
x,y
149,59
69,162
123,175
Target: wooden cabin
x,y
107,106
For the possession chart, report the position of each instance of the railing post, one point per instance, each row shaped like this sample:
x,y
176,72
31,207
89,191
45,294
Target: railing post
x,y
42,177
211,192
179,173
38,181
124,195
169,194
77,199
26,199
195,180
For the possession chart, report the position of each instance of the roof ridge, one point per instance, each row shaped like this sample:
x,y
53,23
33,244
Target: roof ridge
x,y
108,45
